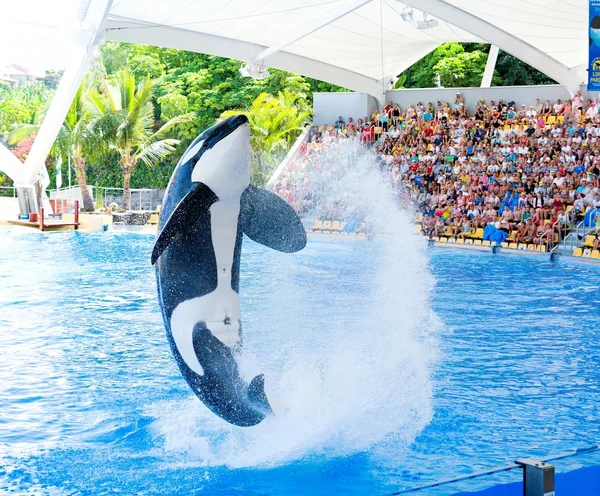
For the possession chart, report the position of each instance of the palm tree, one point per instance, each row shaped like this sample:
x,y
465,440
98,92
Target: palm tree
x,y
123,121
73,140
275,122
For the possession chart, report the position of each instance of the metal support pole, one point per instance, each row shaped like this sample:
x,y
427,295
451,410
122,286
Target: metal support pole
x,y
538,477
490,65
41,218
91,26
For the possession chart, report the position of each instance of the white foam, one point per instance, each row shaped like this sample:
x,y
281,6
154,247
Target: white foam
x,y
366,382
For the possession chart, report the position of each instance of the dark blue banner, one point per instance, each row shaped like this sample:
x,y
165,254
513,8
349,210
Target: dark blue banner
x,y
594,54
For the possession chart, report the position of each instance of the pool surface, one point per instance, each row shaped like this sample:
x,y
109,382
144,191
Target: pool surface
x,y
388,369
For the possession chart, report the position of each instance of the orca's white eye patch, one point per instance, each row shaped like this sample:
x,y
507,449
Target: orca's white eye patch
x,y
191,152
595,35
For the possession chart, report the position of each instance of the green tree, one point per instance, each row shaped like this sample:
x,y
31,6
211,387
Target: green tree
x,y
115,55
123,121
462,64
512,72
275,123
74,141
24,104
462,70
52,78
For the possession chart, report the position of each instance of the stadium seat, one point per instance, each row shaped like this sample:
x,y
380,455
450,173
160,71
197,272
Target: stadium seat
x,y
551,120
504,245
577,252
336,226
531,247
477,242
595,254
153,219
443,240
317,226
589,241
587,253
486,243
461,241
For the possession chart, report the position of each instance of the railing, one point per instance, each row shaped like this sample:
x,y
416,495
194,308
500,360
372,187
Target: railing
x,y
144,199
573,239
496,470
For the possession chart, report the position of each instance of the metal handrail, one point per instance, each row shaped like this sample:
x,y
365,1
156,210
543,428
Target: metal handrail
x,y
571,240
496,470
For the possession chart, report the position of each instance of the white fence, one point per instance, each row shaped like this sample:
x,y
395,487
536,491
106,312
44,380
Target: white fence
x,y
141,199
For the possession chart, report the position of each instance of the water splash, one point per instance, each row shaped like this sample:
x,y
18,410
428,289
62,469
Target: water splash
x,y
363,380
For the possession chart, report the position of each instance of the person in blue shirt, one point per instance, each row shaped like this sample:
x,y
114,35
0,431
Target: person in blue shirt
x,y
470,149
339,123
479,133
427,116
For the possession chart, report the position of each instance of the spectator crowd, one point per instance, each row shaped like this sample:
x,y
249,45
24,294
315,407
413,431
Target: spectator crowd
x,y
526,169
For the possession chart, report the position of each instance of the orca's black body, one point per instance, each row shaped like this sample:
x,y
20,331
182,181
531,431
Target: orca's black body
x,y
207,208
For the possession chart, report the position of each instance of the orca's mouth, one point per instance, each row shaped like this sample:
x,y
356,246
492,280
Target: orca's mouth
x,y
224,129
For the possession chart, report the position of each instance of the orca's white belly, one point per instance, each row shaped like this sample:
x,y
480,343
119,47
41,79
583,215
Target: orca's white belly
x,y
219,310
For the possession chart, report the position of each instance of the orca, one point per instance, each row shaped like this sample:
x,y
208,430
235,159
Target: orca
x,y
208,205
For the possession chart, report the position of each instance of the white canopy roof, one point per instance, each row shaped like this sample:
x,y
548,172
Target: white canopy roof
x,y
359,43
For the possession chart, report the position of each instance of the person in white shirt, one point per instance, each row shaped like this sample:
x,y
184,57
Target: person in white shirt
x,y
531,113
558,107
578,102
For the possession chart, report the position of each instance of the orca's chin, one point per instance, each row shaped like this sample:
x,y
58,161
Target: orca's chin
x,y
224,128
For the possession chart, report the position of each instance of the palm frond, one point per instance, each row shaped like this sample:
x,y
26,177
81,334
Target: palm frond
x,y
155,152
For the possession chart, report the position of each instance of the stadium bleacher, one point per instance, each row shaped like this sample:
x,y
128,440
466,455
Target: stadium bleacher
x,y
532,172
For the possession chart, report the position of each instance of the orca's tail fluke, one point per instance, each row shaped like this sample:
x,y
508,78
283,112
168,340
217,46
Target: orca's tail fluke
x,y
257,396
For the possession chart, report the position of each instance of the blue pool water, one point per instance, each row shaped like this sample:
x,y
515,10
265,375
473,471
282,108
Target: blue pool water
x,y
494,358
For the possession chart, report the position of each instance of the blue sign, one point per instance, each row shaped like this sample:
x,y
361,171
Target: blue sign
x,y
594,54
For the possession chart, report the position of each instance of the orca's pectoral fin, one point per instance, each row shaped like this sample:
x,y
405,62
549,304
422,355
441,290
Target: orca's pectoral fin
x,y
257,396
269,220
184,216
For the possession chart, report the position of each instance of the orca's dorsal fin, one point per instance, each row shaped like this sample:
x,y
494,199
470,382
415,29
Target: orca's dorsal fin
x,y
269,220
256,394
183,218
